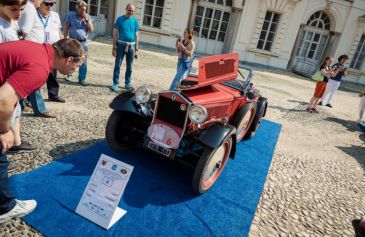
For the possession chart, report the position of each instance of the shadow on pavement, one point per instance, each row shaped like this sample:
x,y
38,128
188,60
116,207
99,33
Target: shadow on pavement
x,y
67,149
355,151
76,83
298,102
286,110
351,126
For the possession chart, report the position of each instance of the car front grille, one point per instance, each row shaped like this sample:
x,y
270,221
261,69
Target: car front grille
x,y
170,111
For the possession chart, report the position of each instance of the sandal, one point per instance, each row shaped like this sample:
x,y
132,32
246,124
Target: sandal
x,y
314,110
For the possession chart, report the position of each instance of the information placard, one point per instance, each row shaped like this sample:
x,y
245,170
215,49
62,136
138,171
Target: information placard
x,y
99,202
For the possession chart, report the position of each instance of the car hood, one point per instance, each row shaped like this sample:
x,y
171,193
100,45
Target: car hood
x,y
211,95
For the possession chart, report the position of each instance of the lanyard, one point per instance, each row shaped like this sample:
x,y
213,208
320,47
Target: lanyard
x,y
41,18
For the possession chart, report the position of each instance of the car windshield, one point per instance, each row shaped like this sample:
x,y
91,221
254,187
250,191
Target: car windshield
x,y
242,81
194,72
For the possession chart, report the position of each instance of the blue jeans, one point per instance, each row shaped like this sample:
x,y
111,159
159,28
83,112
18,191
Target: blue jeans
x,y
180,74
37,102
83,67
118,61
7,199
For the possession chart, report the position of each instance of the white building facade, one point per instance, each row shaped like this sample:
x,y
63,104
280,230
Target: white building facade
x,y
294,35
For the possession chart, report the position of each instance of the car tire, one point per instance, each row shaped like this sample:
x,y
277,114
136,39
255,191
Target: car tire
x,y
121,129
206,171
260,112
243,120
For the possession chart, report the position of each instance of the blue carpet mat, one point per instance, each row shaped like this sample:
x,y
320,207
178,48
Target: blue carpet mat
x,y
158,198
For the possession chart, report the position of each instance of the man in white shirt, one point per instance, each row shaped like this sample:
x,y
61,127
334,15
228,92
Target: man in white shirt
x,y
52,31
32,29
29,23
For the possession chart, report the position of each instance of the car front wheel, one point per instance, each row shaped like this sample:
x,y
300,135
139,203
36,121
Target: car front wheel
x,y
210,166
123,130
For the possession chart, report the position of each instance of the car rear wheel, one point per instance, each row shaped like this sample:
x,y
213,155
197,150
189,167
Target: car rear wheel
x,y
243,120
210,166
260,112
123,130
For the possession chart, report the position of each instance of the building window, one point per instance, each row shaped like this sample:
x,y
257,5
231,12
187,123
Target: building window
x,y
319,20
211,23
221,2
268,31
104,8
153,13
359,55
72,5
94,7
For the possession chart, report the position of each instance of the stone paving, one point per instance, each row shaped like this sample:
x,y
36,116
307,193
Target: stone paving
x,y
315,185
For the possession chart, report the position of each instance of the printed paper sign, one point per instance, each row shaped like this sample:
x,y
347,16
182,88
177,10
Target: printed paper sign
x,y
99,202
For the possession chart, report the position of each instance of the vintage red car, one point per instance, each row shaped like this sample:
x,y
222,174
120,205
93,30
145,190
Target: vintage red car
x,y
214,108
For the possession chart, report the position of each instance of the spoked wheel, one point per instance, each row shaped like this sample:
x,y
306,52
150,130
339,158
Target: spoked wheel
x,y
243,120
210,166
124,129
260,112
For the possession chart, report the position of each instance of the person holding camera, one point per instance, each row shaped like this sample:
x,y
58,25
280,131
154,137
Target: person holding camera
x,y
77,25
185,49
335,81
326,72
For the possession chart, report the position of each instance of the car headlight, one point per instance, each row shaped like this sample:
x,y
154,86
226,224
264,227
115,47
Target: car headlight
x,y
198,114
143,94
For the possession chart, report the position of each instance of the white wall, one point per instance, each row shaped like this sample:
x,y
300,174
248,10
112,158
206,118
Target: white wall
x,y
174,20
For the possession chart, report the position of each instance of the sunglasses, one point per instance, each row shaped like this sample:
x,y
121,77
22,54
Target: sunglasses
x,y
49,4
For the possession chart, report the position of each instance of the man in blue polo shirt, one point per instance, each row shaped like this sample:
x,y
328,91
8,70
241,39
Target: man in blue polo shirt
x,y
77,25
125,42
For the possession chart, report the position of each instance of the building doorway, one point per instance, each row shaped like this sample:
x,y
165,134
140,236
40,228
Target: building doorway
x,y
211,22
312,44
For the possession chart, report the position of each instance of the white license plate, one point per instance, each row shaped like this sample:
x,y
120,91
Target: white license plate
x,y
159,149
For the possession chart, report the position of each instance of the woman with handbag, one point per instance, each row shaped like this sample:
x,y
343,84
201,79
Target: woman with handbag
x,y
324,74
185,49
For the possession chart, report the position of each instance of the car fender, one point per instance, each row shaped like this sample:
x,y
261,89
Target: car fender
x,y
215,135
127,102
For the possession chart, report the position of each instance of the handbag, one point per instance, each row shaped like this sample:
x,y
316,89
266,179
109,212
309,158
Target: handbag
x,y
186,64
317,76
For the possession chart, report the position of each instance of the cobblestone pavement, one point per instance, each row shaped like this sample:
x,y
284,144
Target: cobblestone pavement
x,y
315,185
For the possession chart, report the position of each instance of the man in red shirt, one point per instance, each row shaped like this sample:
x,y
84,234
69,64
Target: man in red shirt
x,y
24,68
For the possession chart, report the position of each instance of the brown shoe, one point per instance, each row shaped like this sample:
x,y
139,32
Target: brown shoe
x,y
57,99
47,114
27,109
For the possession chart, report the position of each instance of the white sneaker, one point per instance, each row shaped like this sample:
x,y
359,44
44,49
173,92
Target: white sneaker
x,y
68,77
21,208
